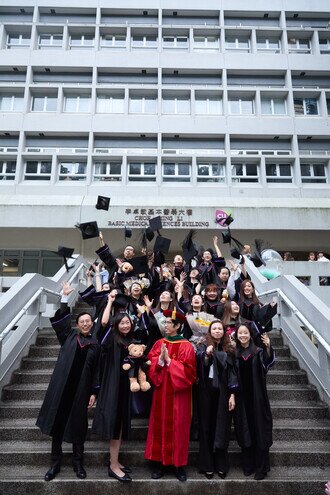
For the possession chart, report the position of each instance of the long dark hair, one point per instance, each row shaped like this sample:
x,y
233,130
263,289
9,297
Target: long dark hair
x,y
224,343
170,304
122,339
227,315
252,346
242,296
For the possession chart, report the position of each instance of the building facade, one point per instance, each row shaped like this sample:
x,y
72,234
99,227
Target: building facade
x,y
173,111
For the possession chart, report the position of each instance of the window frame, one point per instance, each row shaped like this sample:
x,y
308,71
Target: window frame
x,y
312,178
80,177
38,175
144,102
175,42
271,99
215,47
237,42
176,176
142,176
210,177
110,98
176,100
240,99
144,46
4,174
108,176
45,102
51,44
277,178
304,106
244,178
103,45
82,44
14,99
77,97
21,43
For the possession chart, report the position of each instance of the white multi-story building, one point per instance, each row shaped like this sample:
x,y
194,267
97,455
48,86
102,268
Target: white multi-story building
x,y
170,108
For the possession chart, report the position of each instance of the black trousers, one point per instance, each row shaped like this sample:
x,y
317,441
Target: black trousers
x,y
255,460
77,450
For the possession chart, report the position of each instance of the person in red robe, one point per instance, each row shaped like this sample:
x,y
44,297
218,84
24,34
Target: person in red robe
x,y
173,372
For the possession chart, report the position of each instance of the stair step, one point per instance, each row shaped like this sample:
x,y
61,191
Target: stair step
x,y
31,390
293,453
25,429
296,481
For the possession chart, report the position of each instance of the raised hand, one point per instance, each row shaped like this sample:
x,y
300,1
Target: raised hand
x,y
66,288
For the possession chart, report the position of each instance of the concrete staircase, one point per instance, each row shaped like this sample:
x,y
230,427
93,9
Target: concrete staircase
x,y
299,455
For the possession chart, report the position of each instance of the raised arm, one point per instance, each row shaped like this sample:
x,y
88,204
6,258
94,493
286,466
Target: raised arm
x,y
216,247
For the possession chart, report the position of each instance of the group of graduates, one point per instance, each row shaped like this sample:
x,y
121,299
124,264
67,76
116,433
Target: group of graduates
x,y
205,342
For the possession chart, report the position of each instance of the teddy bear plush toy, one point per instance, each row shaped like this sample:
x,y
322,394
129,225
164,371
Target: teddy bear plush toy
x,y
136,364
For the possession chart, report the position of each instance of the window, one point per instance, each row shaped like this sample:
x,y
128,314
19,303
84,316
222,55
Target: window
x,y
142,171
77,103
325,46
244,172
44,103
37,170
239,43
299,45
81,41
148,41
179,42
268,44
107,171
328,106
305,106
11,102
47,41
72,170
7,169
241,105
211,105
143,104
113,41
313,173
176,104
110,103
210,43
18,40
176,172
210,172
278,173
273,106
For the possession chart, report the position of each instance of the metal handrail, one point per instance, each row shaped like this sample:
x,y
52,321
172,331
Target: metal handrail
x,y
19,315
300,316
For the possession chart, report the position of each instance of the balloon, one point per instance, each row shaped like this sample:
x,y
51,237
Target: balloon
x,y
269,273
270,255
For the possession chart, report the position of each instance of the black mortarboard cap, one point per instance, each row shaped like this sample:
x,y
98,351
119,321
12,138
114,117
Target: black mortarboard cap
x,y
159,259
235,253
140,264
256,258
88,229
226,237
102,203
127,233
121,300
162,244
149,234
155,223
65,252
188,247
228,220
265,313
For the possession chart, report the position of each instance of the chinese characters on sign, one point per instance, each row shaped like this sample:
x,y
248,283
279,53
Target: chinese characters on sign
x,y
171,217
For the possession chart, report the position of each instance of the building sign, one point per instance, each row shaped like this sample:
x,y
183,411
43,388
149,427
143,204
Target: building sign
x,y
171,218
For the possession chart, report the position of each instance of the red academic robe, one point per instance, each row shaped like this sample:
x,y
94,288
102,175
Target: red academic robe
x,y
170,417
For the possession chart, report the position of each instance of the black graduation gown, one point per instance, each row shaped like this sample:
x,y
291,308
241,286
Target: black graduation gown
x,y
214,417
208,272
113,406
252,414
74,380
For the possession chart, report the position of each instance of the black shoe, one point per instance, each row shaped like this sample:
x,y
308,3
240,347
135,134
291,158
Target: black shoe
x,y
158,473
209,475
126,469
180,473
52,472
260,476
80,471
124,478
222,474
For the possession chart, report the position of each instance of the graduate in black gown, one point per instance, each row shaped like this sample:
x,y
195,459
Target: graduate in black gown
x,y
73,387
216,400
252,415
112,418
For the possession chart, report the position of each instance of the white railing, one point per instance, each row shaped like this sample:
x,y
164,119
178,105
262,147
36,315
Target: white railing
x,y
126,151
22,308
202,151
34,149
261,152
314,152
305,323
8,149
